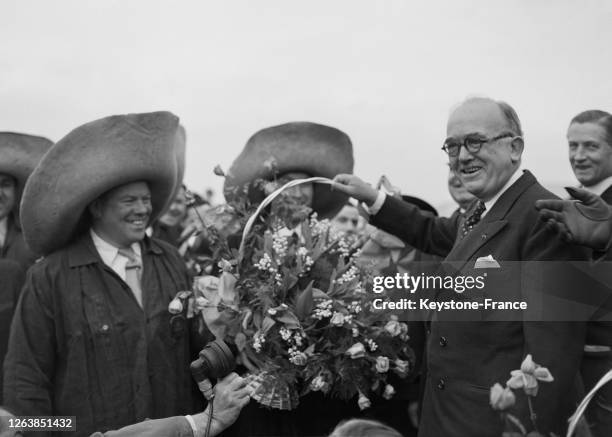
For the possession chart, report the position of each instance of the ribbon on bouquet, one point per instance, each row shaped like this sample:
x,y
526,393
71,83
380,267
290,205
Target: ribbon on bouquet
x,y
251,221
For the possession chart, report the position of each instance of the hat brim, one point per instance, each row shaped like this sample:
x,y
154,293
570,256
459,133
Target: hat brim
x,y
88,162
19,155
301,147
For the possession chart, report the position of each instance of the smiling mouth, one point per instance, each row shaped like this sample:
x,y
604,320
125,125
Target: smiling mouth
x,y
138,222
470,170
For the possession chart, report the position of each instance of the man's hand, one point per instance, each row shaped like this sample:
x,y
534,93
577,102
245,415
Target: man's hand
x,y
586,220
355,187
231,396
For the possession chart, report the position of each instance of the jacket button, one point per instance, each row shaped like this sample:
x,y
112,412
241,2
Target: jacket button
x,y
104,328
441,384
443,341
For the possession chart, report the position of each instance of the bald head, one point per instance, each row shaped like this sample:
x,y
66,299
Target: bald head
x,y
493,134
489,110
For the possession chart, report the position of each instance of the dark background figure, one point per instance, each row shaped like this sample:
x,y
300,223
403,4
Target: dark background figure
x,y
19,154
589,138
169,227
11,279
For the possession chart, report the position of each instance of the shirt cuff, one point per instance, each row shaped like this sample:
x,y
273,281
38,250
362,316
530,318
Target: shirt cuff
x,y
377,205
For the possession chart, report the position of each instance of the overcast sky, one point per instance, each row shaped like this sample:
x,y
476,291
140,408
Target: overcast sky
x,y
385,72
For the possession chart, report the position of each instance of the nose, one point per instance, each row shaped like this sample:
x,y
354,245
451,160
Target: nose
x,y
579,154
464,154
142,207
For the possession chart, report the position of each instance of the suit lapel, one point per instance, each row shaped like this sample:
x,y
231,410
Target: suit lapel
x,y
492,223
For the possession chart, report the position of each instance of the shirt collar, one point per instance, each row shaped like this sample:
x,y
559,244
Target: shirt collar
x,y
107,251
515,177
600,186
3,230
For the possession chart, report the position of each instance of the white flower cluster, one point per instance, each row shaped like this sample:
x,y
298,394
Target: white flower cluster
x,y
278,278
354,307
291,337
307,261
344,246
296,356
319,227
265,264
280,245
258,340
323,309
371,344
348,276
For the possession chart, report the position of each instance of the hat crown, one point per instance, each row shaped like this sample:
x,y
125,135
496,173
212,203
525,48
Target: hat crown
x,y
91,160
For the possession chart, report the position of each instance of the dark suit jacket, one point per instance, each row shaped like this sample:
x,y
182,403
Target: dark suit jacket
x,y
466,358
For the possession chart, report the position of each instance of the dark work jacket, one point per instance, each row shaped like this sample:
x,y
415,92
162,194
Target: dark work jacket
x,y
15,247
81,345
11,279
466,358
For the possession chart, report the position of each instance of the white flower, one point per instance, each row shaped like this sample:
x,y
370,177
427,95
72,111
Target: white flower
x,y
528,376
175,306
363,402
319,384
337,319
393,328
389,392
355,332
382,364
501,398
356,351
401,367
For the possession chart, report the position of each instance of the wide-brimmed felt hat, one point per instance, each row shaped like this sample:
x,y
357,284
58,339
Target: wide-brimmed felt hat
x,y
91,160
19,155
420,203
303,147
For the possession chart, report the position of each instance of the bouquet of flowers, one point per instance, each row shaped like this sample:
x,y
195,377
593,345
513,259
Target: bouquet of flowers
x,y
293,300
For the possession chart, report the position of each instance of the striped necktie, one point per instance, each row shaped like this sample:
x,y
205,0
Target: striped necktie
x,y
132,272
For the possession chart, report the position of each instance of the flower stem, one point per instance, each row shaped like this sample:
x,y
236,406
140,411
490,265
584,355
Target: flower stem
x,y
532,414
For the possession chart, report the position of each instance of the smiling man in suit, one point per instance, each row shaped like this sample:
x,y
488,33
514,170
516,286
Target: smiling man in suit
x,y
485,144
589,138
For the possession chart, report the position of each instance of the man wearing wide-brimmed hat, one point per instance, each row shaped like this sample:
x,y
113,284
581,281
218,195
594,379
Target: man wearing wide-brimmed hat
x,y
91,336
19,154
293,151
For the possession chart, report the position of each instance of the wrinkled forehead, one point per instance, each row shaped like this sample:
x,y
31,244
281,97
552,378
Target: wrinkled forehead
x,y
583,132
476,117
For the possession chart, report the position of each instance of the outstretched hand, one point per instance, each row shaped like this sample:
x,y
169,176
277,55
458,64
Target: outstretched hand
x,y
355,187
231,395
586,219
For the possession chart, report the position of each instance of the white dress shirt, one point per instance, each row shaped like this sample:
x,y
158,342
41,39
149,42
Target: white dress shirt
x,y
110,254
600,186
3,230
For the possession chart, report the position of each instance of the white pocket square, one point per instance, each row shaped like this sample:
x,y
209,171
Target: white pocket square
x,y
486,262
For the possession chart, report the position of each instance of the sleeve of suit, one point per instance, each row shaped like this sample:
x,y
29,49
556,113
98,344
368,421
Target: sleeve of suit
x,y
168,427
557,345
424,231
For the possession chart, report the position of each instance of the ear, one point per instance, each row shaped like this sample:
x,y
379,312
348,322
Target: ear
x,y
516,148
95,209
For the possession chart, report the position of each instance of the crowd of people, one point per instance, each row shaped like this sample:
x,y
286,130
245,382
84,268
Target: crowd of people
x,y
98,233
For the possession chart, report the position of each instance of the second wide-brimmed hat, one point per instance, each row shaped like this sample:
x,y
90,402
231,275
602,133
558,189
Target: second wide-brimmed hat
x,y
19,155
303,147
93,159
